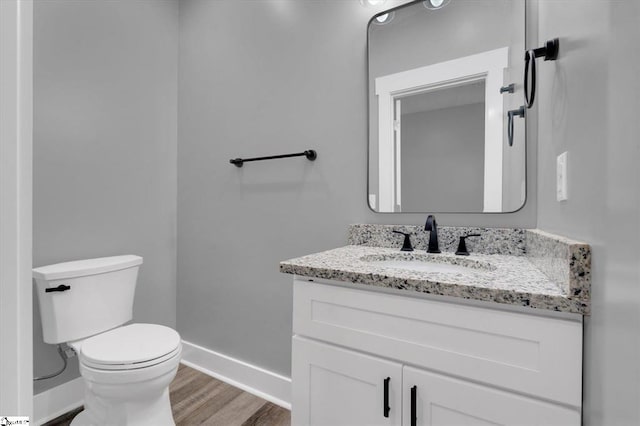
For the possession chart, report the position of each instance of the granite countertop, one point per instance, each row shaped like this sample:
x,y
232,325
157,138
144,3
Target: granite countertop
x,y
500,278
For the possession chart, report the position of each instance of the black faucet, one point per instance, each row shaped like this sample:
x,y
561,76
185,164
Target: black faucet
x,y
432,227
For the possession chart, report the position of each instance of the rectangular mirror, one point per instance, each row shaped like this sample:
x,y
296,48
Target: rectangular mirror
x,y
439,72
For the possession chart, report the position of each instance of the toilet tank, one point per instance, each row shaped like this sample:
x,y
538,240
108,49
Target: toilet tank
x,y
85,297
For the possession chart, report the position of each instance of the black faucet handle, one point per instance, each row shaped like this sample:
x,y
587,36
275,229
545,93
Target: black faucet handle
x,y
462,245
406,245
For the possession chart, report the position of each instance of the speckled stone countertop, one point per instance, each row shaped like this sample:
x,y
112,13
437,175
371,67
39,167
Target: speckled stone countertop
x,y
554,276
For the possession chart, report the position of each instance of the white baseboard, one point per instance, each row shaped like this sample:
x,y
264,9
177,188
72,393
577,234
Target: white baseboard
x,y
250,378
56,401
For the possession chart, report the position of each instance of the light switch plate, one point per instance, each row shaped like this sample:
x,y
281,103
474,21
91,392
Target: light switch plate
x,y
561,177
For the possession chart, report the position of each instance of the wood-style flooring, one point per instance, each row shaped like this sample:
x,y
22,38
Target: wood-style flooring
x,y
198,399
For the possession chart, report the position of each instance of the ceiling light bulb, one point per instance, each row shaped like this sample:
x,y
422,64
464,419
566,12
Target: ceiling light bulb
x,y
435,4
383,18
368,3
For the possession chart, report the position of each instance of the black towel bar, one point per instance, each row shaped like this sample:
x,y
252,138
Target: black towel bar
x,y
310,154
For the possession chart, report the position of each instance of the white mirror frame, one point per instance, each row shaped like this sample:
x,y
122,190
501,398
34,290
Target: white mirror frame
x,y
488,66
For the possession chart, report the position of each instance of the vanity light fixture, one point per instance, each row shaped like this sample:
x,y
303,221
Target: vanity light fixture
x,y
381,19
435,4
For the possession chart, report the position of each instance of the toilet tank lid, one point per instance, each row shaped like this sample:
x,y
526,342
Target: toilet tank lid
x,y
81,268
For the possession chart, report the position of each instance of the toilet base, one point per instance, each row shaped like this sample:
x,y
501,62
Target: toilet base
x,y
139,413
134,403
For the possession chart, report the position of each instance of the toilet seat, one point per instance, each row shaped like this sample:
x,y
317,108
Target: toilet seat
x,y
135,366
131,347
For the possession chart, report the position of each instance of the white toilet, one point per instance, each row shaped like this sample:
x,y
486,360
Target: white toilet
x,y
127,369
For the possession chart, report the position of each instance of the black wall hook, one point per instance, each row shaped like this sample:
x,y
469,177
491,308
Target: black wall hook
x,y
550,53
508,89
510,114
549,50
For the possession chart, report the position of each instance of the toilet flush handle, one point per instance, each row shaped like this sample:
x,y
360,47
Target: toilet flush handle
x,y
61,287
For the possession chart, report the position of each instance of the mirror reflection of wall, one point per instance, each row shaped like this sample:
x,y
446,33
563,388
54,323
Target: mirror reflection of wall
x,y
435,127
447,155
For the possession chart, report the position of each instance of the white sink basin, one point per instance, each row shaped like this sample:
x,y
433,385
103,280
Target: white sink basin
x,y
424,266
424,262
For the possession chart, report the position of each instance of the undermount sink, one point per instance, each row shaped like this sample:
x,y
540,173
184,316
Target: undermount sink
x,y
422,266
428,263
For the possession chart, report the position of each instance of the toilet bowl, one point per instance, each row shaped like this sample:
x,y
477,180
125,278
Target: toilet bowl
x,y
127,372
126,369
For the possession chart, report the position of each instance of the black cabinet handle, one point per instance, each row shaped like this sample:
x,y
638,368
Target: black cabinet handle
x,y
414,415
61,287
385,404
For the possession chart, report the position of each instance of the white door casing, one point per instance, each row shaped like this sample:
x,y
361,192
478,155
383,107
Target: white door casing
x,y
488,66
16,369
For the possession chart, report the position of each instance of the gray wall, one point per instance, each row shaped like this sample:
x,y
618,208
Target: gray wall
x,y
588,106
442,159
105,142
262,78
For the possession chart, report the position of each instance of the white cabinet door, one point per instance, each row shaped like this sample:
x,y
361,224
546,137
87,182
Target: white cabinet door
x,y
441,400
332,386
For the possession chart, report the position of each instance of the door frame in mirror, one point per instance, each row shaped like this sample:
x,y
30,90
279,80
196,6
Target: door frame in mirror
x,y
488,66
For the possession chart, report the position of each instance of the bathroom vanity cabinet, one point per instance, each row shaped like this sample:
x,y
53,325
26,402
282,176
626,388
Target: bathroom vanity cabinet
x,y
364,357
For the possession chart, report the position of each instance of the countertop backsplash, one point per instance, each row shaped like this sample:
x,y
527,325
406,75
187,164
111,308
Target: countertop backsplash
x,y
491,240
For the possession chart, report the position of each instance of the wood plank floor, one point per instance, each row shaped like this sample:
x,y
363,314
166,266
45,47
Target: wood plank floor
x,y
197,399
